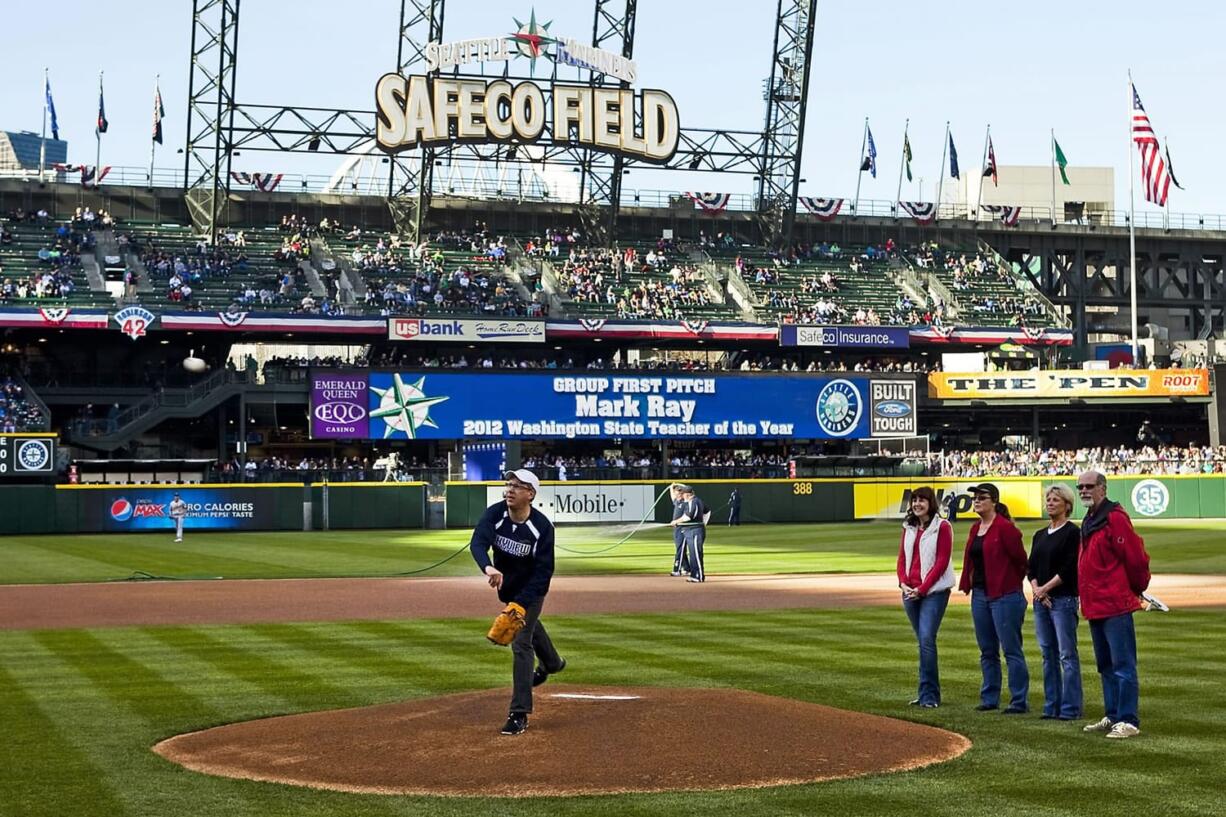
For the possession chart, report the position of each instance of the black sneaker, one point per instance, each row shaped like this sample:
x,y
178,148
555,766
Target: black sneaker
x,y
985,708
516,723
541,675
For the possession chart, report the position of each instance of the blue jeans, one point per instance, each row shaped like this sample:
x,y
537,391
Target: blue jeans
x,y
1056,632
998,627
1115,651
925,615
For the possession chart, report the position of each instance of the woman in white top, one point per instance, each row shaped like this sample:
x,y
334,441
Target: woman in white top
x,y
925,576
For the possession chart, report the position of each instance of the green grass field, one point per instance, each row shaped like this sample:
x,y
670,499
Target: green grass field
x,y
1184,546
81,708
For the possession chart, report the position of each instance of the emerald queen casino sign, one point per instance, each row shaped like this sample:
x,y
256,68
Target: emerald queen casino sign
x,y
430,109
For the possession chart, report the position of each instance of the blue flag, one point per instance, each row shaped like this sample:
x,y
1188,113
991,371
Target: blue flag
x,y
55,125
102,123
953,158
869,162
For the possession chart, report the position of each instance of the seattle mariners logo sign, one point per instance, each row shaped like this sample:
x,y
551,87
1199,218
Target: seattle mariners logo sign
x,y
1150,497
134,320
34,455
839,406
404,407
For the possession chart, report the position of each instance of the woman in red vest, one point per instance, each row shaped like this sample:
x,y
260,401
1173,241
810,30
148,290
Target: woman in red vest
x,y
993,570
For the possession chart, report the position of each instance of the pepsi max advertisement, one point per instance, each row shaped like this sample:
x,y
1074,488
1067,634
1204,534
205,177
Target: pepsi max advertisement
x,y
148,509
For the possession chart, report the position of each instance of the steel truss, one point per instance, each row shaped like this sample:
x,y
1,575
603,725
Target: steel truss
x,y
210,111
218,125
783,137
1178,278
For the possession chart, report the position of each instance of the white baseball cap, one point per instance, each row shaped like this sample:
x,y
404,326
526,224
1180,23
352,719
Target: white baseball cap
x,y
525,476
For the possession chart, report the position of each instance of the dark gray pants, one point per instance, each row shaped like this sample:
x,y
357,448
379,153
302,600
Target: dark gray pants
x,y
531,644
680,557
694,539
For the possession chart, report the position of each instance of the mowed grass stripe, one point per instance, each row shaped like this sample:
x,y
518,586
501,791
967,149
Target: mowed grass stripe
x,y
302,690
377,673
45,770
115,741
454,654
237,698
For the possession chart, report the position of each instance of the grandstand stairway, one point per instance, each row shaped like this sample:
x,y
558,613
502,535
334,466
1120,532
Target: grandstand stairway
x,y
314,282
192,401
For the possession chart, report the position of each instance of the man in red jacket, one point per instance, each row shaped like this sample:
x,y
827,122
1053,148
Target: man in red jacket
x,y
1112,571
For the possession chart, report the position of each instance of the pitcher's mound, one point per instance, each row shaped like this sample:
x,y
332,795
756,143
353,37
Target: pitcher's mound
x,y
581,740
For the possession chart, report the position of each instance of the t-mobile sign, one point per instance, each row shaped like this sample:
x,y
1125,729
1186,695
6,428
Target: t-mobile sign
x,y
338,406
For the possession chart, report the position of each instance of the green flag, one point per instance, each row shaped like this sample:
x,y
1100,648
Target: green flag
x,y
906,152
1061,161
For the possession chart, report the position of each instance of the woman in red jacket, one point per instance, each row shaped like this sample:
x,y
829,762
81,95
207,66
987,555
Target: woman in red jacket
x,y
994,567
925,576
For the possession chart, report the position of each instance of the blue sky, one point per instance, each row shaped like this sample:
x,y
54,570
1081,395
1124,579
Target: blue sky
x,y
1023,67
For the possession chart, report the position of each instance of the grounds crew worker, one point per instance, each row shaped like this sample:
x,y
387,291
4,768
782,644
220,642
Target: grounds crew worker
x,y
693,523
680,557
178,512
522,539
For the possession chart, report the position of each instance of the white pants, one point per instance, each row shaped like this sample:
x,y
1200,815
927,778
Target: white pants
x,y
178,527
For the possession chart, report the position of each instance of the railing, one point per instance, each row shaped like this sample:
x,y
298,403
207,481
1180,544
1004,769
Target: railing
x,y
488,189
368,473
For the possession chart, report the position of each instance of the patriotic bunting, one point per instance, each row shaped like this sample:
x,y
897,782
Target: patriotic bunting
x,y
1007,214
710,202
232,319
696,327
266,182
592,324
923,212
90,175
824,209
54,314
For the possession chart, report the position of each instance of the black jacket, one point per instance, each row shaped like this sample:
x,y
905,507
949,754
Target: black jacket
x,y
523,552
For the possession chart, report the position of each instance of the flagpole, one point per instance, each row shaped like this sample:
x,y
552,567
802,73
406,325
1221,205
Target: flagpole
x,y
42,145
1132,231
1053,177
1166,208
855,208
941,175
98,134
987,137
153,145
901,164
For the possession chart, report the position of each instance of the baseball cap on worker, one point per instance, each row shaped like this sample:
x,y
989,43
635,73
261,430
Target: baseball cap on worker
x,y
986,488
526,477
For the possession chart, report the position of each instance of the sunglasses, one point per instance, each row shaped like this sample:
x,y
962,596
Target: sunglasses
x,y
1086,487
983,497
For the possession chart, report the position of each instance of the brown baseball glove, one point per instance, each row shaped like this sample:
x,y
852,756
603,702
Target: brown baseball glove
x,y
507,625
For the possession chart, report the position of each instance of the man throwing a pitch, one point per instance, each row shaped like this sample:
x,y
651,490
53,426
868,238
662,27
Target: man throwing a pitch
x,y
522,542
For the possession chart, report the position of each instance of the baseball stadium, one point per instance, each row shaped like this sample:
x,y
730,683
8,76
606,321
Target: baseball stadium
x,y
368,413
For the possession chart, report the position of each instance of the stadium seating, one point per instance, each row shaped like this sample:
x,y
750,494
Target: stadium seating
x,y
17,412
34,259
789,291
986,293
457,274
671,288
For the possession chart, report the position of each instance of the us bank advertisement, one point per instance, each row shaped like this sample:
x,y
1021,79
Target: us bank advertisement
x,y
428,405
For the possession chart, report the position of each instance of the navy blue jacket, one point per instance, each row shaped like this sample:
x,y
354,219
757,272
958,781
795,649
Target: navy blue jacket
x,y
523,552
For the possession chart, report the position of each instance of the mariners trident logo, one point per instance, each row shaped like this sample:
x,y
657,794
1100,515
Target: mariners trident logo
x,y
404,407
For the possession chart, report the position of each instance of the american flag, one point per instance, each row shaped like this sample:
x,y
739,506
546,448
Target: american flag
x,y
1154,174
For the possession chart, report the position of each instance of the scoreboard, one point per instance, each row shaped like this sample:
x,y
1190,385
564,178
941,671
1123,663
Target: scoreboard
x,y
26,454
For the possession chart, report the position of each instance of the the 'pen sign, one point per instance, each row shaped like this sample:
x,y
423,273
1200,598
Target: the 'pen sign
x,y
1062,383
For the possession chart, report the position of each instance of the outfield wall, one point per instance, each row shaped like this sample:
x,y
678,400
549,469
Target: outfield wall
x,y
33,509
842,500
267,506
